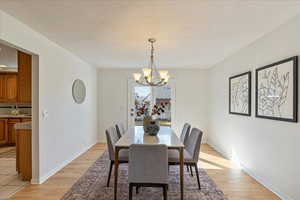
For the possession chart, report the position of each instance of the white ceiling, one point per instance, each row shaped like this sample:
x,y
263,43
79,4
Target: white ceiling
x,y
114,33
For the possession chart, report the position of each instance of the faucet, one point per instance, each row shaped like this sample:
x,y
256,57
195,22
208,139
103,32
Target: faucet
x,y
15,110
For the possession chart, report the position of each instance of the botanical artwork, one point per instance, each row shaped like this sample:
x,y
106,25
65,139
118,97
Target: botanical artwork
x,y
276,90
240,92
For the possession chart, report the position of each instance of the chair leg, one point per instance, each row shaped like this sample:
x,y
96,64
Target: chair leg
x,y
165,188
130,191
187,168
109,173
197,174
137,189
191,170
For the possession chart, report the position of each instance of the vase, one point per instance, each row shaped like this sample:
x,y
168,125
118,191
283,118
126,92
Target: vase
x,y
146,122
153,127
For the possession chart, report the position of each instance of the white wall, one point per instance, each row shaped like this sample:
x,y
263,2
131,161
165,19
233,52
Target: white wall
x,y
70,128
191,98
268,149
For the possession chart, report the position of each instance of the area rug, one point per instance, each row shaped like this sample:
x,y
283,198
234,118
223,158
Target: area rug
x,y
92,185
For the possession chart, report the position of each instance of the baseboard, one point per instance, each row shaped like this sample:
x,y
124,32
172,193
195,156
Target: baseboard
x,y
261,180
102,140
43,178
35,181
215,147
266,183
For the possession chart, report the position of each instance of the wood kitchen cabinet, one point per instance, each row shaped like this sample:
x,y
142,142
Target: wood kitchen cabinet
x,y
25,78
2,88
3,132
11,87
7,130
26,120
23,151
8,88
11,131
16,87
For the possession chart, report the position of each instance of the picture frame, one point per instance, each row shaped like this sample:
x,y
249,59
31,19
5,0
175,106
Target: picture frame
x,y
240,94
276,90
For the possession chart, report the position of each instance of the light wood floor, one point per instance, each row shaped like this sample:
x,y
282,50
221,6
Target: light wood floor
x,y
233,181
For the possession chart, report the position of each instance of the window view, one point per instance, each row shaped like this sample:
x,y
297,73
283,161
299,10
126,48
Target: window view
x,y
148,97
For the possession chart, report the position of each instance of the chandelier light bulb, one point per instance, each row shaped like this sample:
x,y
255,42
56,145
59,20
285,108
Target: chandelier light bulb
x,y
163,74
137,76
147,72
166,79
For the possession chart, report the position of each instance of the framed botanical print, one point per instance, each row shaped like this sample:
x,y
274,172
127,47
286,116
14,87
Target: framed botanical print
x,y
277,90
240,94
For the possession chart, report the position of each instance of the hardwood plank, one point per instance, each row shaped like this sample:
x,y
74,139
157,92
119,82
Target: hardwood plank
x,y
235,183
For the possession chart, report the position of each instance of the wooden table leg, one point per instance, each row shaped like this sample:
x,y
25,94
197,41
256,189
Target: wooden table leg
x,y
116,172
181,172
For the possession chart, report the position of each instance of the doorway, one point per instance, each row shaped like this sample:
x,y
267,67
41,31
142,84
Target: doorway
x,y
18,106
145,96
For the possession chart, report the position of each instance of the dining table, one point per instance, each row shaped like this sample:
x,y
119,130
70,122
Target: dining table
x,y
137,135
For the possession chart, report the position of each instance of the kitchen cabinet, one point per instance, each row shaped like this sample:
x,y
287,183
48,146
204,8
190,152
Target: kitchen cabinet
x,y
26,119
16,87
2,88
11,131
3,132
7,130
25,78
8,88
11,87
23,151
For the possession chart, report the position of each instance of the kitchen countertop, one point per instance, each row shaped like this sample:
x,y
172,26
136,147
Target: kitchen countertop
x,y
14,116
23,126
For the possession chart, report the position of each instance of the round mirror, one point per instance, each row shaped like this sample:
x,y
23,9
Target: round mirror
x,y
78,91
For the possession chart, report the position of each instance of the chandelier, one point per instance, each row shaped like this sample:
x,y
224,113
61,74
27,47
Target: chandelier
x,y
151,76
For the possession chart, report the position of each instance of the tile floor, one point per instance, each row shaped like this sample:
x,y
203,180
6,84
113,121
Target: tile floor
x,y
10,183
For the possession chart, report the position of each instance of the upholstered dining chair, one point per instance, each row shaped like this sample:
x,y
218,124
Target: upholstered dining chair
x,y
191,152
185,133
148,167
183,137
121,128
111,138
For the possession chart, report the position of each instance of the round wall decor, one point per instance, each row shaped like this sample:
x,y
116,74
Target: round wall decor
x,y
78,91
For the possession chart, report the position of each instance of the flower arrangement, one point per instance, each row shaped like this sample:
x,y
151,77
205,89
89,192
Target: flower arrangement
x,y
158,109
143,109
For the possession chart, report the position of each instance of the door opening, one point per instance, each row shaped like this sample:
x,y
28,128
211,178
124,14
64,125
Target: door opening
x,y
163,96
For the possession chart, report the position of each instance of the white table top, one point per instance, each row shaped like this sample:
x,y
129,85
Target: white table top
x,y
136,135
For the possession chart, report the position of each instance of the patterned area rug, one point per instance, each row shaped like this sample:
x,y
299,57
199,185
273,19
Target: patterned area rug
x,y
92,185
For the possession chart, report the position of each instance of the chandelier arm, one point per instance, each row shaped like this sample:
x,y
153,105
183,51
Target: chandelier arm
x,y
160,83
147,81
141,83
